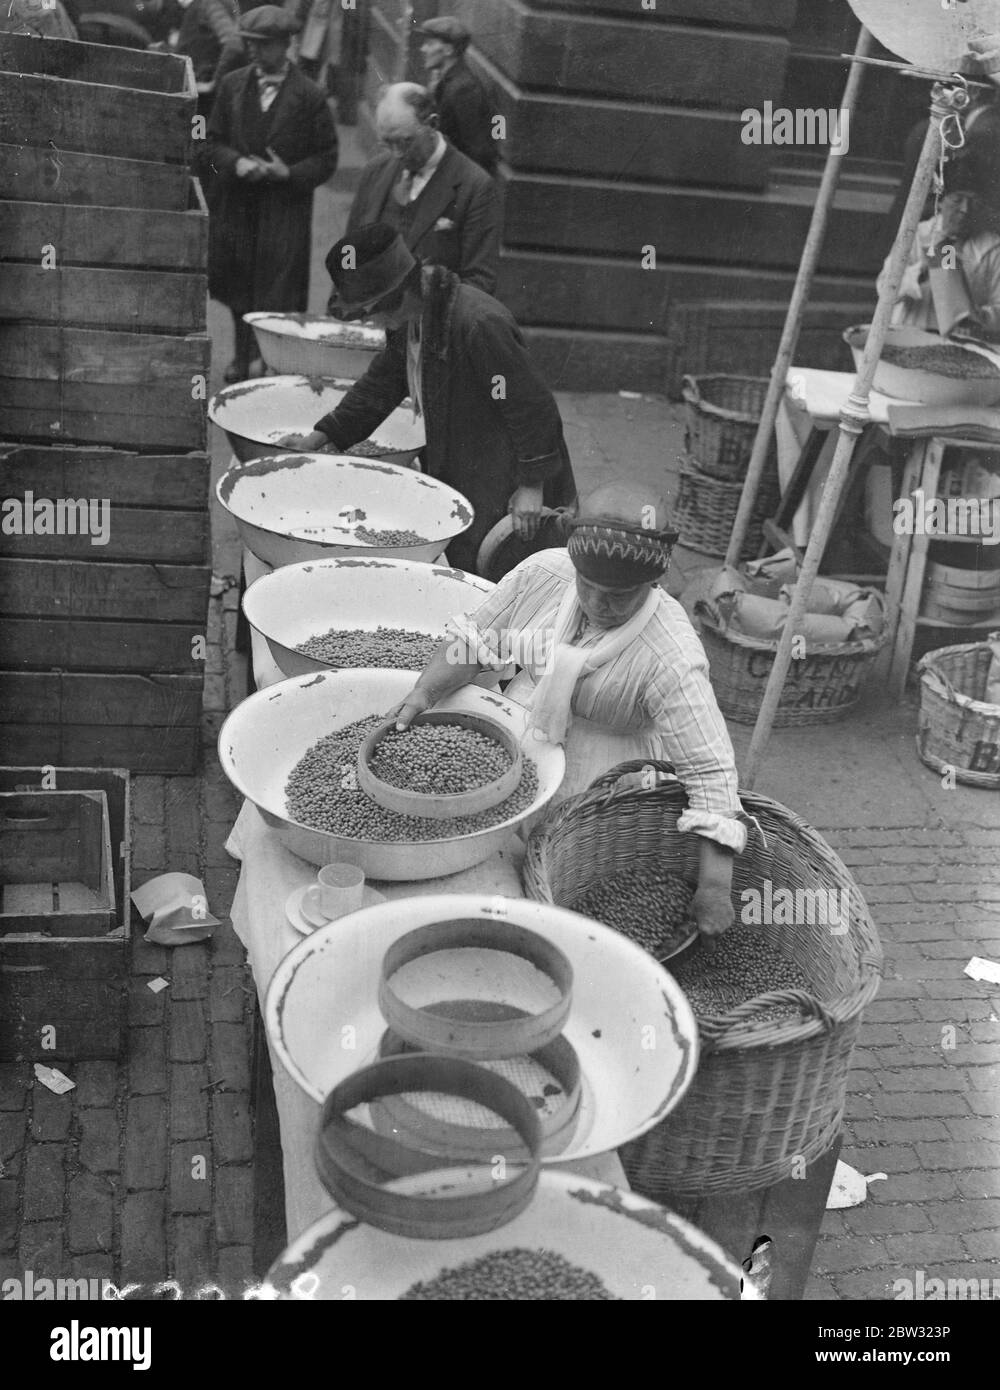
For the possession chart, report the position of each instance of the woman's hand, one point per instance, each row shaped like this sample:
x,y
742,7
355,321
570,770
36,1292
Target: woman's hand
x,y
712,910
525,509
415,703
308,445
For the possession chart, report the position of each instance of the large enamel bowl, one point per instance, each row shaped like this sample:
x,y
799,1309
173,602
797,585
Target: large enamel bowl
x,y
293,507
266,735
637,1249
633,1031
290,605
255,415
315,346
915,383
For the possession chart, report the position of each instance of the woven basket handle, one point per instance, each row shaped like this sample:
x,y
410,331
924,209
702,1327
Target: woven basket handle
x,y
714,1035
938,678
604,788
690,390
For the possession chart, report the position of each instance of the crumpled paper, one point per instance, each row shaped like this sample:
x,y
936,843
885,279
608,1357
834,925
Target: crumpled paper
x,y
175,908
849,1187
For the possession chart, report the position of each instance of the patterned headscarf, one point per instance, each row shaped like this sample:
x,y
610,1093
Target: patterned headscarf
x,y
609,552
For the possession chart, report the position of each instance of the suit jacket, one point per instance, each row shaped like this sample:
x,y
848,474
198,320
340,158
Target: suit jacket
x,y
259,233
458,192
466,115
482,440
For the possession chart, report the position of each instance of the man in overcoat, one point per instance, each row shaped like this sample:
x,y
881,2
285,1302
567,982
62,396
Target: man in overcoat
x,y
442,204
465,112
271,142
492,425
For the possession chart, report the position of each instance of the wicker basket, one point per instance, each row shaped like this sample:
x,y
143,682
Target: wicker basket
x,y
767,1096
820,689
958,730
706,509
722,417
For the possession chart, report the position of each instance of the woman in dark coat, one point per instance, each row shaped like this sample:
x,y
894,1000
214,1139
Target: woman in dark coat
x,y
493,427
271,142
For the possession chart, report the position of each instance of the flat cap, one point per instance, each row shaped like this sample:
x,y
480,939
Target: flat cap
x,y
268,22
447,28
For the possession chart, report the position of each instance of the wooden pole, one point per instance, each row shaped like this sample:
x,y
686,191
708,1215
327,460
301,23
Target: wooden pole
x,y
793,319
854,416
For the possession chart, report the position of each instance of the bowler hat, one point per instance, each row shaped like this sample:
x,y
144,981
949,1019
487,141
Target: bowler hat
x,y
268,22
366,268
445,27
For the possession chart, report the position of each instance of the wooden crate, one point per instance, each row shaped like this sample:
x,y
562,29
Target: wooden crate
x,y
62,998
55,863
115,783
80,385
37,175
96,99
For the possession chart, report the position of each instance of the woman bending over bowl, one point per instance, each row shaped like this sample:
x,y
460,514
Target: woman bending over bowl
x,y
611,668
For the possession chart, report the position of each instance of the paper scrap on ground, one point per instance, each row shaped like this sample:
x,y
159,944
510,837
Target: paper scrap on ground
x,y
157,984
630,395
176,910
54,1080
979,968
849,1187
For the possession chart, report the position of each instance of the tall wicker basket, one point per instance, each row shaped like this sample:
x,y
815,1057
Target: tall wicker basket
x,y
706,509
959,729
768,1096
722,414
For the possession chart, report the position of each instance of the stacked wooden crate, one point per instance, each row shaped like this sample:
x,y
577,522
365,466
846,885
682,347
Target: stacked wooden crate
x,y
104,359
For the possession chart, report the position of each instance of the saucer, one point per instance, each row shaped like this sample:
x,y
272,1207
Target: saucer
x,y
305,918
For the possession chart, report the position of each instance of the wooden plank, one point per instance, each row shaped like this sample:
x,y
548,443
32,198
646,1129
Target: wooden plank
x,y
571,360
92,62
91,387
684,223
575,53
26,900
81,958
130,480
169,751
83,356
105,120
96,236
33,174
114,782
67,839
899,560
145,301
909,608
71,697
170,537
34,643
98,645
73,589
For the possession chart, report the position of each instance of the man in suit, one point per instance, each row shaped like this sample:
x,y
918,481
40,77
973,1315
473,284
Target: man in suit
x,y
441,203
271,142
464,110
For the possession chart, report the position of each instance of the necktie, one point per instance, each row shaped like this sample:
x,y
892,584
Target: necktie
x,y
403,188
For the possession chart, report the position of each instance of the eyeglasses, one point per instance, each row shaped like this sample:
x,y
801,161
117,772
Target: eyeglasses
x,y
399,144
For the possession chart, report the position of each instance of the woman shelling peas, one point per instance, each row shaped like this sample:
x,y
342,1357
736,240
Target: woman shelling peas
x,y
612,669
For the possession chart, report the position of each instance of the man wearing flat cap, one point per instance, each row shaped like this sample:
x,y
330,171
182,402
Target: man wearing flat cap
x,y
271,142
465,115
492,426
